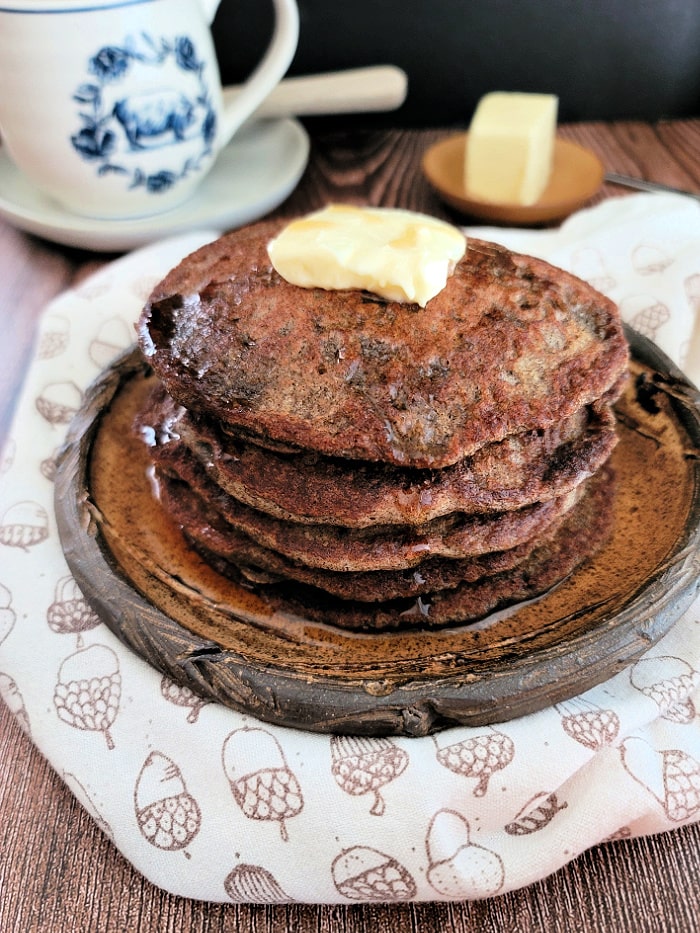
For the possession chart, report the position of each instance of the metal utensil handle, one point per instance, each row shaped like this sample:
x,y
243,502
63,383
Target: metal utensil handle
x,y
628,181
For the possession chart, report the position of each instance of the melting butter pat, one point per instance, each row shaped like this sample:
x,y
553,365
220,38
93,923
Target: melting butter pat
x,y
397,254
510,147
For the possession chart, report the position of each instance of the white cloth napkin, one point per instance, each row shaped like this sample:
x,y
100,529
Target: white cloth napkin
x,y
211,804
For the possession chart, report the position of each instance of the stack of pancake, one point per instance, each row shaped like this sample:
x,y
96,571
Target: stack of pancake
x,y
374,464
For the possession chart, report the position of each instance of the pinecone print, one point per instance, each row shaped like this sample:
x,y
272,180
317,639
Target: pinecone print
x,y
365,874
182,695
363,765
7,613
588,724
167,814
672,776
59,401
88,690
70,613
479,757
253,884
24,525
261,782
668,681
15,702
535,815
458,868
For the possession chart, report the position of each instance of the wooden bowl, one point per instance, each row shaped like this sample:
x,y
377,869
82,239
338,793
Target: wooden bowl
x,y
577,174
228,644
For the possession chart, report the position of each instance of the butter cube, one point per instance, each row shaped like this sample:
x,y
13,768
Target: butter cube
x,y
510,147
401,255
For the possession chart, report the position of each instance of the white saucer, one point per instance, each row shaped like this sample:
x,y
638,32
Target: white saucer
x,y
252,175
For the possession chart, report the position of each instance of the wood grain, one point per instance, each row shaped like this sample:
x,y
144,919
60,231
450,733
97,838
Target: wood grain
x,y
58,872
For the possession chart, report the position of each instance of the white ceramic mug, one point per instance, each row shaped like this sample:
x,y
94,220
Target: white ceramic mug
x,y
114,107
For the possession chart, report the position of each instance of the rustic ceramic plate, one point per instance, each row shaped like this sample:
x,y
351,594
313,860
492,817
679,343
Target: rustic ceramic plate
x,y
228,644
576,175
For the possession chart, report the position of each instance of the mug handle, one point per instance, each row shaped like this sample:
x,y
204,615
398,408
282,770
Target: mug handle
x,y
268,72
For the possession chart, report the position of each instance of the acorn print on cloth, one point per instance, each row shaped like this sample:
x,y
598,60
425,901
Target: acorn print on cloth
x,y
587,723
261,782
59,401
182,695
669,682
671,775
24,525
70,613
167,814
253,884
7,613
478,757
457,867
537,813
365,874
88,690
362,765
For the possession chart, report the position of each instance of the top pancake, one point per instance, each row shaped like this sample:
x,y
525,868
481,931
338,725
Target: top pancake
x,y
511,344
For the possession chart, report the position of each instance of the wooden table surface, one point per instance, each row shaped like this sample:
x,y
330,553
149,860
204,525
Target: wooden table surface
x,y
58,872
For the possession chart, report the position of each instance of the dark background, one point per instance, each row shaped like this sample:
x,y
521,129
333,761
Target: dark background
x,y
605,59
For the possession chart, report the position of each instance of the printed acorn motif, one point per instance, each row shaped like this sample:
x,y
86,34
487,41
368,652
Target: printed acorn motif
x,y
624,832
645,313
588,263
7,613
458,868
48,465
168,815
478,757
15,702
59,401
587,723
365,874
537,813
261,782
668,681
671,776
253,884
88,690
648,258
112,337
362,765
182,695
54,339
24,525
70,613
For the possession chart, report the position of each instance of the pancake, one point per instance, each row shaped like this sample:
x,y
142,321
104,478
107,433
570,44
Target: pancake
x,y
581,534
510,345
333,547
240,558
306,487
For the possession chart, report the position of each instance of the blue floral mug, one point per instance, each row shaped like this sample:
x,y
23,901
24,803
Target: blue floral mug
x,y
114,108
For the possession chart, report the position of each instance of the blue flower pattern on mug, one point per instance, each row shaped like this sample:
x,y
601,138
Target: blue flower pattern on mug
x,y
143,120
